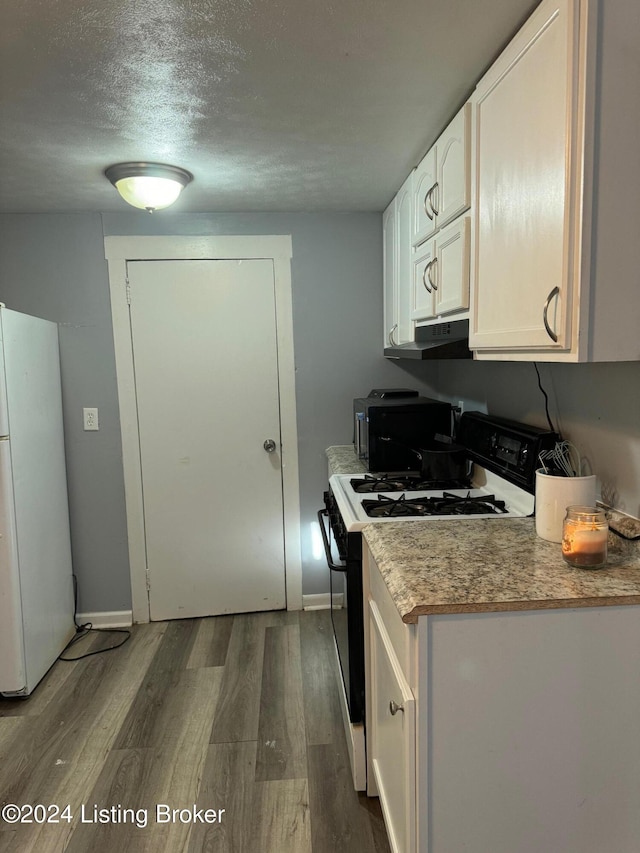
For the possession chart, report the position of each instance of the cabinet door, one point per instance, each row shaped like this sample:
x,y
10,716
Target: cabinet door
x,y
404,266
451,269
452,194
397,269
392,738
422,285
523,197
389,251
424,181
441,272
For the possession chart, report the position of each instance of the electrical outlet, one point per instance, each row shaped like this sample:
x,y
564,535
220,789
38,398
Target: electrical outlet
x,y
90,419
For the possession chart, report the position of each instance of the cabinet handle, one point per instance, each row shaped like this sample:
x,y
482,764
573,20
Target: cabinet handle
x,y
392,341
426,204
425,276
394,708
431,281
545,310
433,189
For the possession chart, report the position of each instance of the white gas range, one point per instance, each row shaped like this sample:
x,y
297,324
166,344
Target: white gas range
x,y
502,456
373,498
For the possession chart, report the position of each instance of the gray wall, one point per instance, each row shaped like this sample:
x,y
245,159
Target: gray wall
x,y
53,266
595,406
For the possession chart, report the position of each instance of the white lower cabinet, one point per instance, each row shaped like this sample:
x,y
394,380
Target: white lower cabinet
x,y
503,732
392,737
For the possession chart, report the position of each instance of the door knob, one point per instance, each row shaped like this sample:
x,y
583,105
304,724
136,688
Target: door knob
x,y
269,445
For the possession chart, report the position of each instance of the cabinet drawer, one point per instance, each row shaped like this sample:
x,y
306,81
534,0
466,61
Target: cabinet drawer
x,y
392,738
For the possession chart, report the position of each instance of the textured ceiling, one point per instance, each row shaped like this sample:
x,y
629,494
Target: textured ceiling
x,y
273,105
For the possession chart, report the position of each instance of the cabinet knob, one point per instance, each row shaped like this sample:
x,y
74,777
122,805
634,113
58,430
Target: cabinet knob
x,y
269,445
394,708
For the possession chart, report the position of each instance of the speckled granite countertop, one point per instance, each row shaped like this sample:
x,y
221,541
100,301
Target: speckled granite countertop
x,y
474,566
343,460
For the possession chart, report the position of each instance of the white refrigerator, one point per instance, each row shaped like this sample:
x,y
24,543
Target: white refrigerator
x,y
36,585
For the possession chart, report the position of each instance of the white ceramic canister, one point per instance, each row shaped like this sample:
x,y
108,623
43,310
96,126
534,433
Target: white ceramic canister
x,y
554,495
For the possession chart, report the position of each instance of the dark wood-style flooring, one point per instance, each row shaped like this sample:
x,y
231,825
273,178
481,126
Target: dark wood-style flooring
x,y
233,713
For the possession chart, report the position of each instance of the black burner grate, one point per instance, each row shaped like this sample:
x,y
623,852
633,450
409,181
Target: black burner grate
x,y
402,483
446,504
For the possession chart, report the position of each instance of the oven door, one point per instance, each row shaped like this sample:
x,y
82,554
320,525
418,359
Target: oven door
x,y
345,579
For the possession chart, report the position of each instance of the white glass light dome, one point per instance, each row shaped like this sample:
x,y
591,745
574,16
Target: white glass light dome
x,y
148,186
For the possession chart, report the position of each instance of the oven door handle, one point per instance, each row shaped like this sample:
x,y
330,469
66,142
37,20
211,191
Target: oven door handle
x,y
327,545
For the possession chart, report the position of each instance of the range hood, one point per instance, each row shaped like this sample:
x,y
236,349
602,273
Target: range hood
x,y
441,340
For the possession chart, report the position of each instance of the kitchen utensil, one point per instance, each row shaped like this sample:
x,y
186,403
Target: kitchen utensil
x,y
442,461
564,460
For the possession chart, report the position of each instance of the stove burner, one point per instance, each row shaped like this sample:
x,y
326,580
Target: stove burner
x,y
447,504
402,483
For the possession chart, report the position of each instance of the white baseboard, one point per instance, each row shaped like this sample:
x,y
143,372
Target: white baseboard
x,y
321,601
107,619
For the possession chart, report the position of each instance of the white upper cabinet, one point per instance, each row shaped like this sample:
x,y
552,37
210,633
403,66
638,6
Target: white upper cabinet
x,y
442,180
555,180
441,272
389,252
524,185
397,269
424,185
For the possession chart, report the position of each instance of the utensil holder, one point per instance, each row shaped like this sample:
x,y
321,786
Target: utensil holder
x,y
554,495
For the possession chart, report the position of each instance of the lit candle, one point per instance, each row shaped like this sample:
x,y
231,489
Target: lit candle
x,y
584,537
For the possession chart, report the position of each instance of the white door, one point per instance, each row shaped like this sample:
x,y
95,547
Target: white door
x,y
206,377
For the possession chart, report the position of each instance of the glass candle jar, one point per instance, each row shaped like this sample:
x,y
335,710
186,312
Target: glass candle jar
x,y
584,537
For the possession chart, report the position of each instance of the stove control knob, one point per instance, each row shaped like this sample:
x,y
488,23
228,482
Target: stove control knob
x,y
269,445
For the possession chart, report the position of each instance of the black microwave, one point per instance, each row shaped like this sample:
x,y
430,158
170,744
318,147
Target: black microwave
x,y
390,426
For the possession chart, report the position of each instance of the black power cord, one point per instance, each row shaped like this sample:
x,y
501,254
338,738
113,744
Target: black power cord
x,y
84,630
546,399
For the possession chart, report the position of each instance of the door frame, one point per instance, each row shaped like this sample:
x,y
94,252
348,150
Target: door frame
x,y
118,252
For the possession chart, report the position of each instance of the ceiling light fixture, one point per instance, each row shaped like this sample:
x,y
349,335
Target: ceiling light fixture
x,y
148,186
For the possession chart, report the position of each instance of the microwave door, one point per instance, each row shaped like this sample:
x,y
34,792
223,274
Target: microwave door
x,y
360,445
